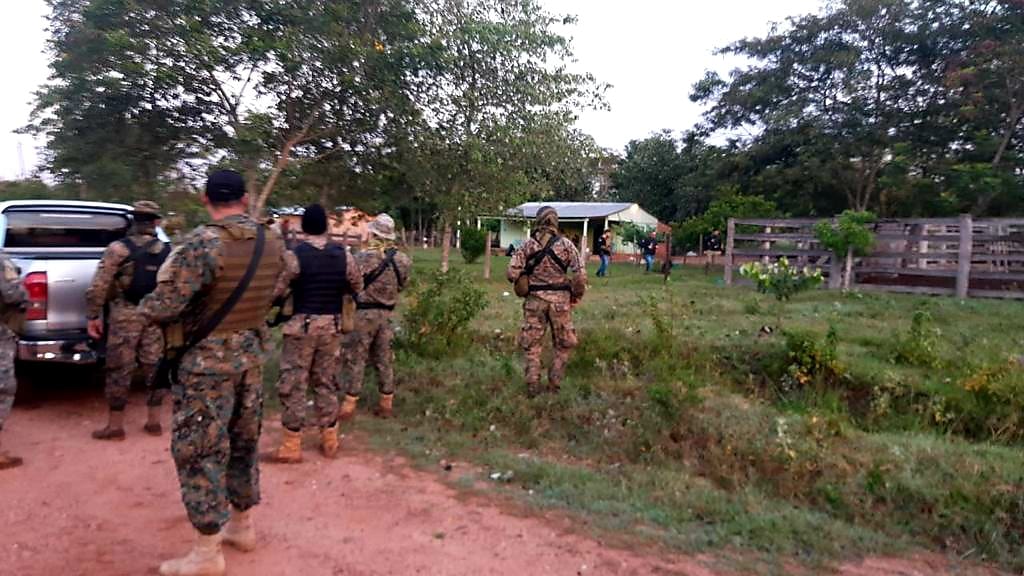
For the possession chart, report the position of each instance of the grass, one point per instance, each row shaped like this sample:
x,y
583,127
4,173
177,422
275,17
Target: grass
x,y
688,419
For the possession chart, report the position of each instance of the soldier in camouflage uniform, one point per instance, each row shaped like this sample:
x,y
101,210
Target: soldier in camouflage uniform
x,y
131,341
320,274
557,280
12,299
385,274
218,400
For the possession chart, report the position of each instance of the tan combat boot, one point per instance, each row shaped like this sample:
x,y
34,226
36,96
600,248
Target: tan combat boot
x,y
153,427
9,461
205,559
290,450
329,441
384,408
114,429
348,408
240,532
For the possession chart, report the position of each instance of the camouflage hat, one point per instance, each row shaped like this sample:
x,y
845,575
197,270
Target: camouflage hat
x,y
146,209
383,227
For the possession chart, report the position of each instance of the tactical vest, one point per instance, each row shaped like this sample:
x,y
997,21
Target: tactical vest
x,y
145,265
322,281
251,311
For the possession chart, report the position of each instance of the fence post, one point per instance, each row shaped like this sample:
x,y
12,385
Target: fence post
x,y
730,232
835,272
963,274
487,256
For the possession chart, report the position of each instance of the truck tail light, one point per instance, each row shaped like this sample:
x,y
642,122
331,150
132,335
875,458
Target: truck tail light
x,y
38,294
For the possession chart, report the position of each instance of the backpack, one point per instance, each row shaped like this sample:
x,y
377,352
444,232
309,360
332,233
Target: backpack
x,y
522,284
145,266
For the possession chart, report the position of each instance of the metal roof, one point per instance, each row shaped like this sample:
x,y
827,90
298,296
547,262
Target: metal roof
x,y
572,209
63,204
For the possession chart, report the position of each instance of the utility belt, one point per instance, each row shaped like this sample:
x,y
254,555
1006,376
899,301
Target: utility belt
x,y
550,288
374,306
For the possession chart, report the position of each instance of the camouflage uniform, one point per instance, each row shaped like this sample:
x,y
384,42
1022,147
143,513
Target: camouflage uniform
x,y
13,295
542,309
218,400
131,340
374,334
312,351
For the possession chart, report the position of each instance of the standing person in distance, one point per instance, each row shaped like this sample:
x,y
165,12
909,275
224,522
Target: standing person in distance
x,y
604,251
649,247
213,295
320,274
126,274
385,274
548,273
12,304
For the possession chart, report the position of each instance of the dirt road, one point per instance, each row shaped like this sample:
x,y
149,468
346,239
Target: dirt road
x,y
84,508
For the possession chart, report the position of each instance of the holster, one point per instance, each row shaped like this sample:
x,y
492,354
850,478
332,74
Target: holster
x,y
348,314
522,286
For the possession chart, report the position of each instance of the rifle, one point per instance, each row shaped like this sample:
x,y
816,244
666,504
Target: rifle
x,y
166,374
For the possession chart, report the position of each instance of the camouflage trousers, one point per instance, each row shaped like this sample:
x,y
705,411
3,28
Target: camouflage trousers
x,y
131,342
8,383
309,362
371,339
538,316
214,441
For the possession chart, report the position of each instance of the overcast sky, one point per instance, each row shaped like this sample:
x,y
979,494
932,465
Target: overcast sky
x,y
650,51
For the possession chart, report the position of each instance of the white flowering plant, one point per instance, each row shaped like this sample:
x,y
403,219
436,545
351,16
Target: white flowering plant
x,y
781,279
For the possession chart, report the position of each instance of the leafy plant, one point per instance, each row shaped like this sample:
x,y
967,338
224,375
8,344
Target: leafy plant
x,y
811,360
439,317
919,346
781,279
474,244
849,235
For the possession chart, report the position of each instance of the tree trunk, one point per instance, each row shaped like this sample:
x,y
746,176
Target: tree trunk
x,y
1016,114
256,205
487,256
446,246
848,272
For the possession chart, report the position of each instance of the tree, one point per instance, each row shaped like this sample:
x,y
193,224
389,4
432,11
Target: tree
x,y
849,235
496,89
649,174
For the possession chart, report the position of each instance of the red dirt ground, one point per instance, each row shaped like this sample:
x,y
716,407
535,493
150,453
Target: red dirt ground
x,y
83,508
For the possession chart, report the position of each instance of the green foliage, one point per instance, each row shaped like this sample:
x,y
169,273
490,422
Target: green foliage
x,y
631,233
811,361
850,232
438,318
920,345
474,244
688,234
780,279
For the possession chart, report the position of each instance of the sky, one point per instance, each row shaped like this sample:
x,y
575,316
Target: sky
x,y
650,51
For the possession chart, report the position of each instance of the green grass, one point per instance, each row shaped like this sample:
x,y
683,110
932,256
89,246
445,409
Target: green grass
x,y
681,421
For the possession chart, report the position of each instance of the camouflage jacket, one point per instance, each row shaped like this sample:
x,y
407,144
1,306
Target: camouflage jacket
x,y
114,274
548,272
12,293
385,289
185,279
298,324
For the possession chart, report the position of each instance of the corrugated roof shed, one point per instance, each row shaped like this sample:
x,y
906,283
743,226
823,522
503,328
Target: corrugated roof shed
x,y
573,209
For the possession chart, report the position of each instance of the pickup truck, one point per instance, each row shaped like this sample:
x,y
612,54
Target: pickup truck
x,y
58,245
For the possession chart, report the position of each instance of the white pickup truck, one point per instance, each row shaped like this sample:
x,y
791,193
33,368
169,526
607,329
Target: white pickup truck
x,y
58,244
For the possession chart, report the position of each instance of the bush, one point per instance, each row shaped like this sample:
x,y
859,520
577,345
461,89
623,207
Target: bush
x,y
781,279
919,346
474,244
811,361
438,319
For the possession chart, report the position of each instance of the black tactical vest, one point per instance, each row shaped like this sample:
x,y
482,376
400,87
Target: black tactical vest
x,y
322,279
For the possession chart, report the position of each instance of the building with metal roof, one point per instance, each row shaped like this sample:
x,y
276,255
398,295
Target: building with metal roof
x,y
581,221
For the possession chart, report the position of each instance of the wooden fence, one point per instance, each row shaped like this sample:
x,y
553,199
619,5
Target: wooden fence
x,y
962,256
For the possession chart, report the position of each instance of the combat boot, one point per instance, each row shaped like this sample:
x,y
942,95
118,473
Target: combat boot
x,y
114,429
384,408
205,559
290,450
329,443
153,427
8,461
240,532
348,408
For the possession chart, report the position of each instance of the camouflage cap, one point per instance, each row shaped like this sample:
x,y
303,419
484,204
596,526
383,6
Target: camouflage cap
x,y
382,227
146,208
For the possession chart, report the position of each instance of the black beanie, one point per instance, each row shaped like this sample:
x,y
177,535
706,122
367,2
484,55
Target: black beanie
x,y
314,220
225,186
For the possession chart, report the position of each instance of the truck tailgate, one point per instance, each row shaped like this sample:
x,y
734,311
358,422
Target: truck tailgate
x,y
68,277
